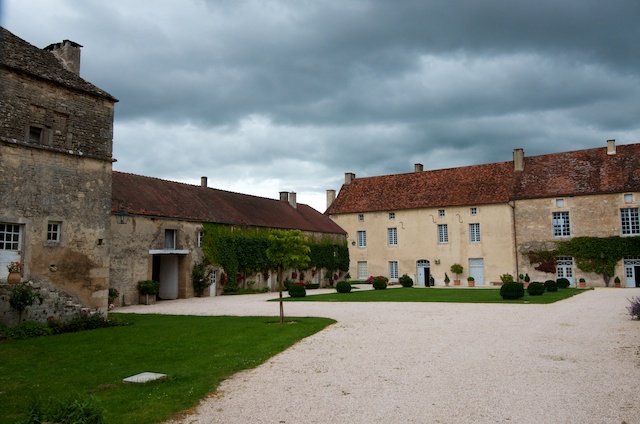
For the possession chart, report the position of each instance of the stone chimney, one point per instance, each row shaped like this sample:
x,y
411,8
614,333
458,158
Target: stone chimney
x,y
331,197
348,177
292,200
418,167
68,53
518,160
284,196
611,147
203,182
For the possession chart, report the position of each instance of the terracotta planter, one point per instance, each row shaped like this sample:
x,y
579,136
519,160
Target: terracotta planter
x,y
456,282
583,284
14,278
617,285
471,283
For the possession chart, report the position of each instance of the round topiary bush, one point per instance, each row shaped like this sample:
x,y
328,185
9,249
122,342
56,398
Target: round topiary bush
x,y
512,290
535,289
563,283
297,290
343,287
551,286
380,282
406,281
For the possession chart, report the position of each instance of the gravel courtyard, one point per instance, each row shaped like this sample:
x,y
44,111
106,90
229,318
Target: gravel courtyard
x,y
576,361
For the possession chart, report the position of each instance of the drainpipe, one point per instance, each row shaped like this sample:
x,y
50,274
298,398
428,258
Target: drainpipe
x,y
512,203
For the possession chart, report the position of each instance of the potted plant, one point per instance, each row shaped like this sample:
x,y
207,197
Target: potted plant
x,y
616,282
471,281
527,279
446,279
148,291
457,270
14,268
583,283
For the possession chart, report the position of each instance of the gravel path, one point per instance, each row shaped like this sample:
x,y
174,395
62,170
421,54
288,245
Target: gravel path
x,y
576,361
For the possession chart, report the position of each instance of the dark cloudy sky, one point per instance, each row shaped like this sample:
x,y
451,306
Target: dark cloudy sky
x,y
269,96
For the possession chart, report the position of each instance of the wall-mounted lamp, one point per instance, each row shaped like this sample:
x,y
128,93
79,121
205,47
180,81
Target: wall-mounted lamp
x,y
437,261
353,243
122,216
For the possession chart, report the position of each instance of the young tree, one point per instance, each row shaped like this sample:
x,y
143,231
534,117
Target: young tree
x,y
288,249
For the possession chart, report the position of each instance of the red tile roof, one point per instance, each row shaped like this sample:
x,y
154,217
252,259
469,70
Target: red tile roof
x,y
153,197
581,172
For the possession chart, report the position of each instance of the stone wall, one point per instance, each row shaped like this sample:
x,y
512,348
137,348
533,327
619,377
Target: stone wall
x,y
56,303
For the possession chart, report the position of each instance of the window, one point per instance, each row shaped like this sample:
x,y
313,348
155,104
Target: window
x,y
169,239
561,224
392,236
53,232
443,233
474,233
559,203
629,220
473,211
360,217
392,215
35,135
628,198
362,239
393,270
9,237
200,236
362,270
441,212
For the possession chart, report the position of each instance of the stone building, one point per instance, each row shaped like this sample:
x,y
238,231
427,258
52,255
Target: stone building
x,y
56,134
487,217
157,228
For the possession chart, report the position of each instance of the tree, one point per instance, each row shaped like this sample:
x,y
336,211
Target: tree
x,y
288,249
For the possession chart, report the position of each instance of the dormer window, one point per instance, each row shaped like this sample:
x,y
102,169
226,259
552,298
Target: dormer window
x,y
360,217
392,215
441,213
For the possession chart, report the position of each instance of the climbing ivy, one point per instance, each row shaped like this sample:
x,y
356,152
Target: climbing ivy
x,y
243,250
599,255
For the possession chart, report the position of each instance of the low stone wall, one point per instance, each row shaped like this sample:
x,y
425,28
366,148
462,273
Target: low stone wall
x,y
55,303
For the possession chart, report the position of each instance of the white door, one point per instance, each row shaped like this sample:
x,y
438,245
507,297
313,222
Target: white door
x,y
168,277
10,240
213,288
476,270
423,273
632,271
564,269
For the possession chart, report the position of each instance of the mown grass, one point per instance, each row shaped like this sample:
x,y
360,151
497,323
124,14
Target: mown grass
x,y
197,353
454,295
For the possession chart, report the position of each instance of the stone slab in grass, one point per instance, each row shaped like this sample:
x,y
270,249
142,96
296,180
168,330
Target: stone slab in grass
x,y
144,377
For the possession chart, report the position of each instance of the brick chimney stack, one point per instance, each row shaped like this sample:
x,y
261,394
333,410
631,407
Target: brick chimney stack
x,y
348,177
611,147
68,53
203,182
418,167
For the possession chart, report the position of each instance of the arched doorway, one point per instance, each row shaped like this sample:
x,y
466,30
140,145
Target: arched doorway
x,y
424,272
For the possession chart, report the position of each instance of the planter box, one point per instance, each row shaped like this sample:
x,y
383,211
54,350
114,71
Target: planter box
x,y
147,299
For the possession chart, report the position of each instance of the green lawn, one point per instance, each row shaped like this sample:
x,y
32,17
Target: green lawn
x,y
197,353
415,294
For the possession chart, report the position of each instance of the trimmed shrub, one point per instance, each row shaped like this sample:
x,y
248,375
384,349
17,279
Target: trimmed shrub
x,y
311,286
512,290
551,286
343,287
506,278
297,290
535,289
380,282
148,287
563,283
26,331
406,281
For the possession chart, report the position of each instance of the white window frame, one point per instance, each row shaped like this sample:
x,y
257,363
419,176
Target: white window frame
x,y
441,213
10,236
200,237
393,270
559,203
474,232
443,234
629,222
363,272
54,231
561,224
170,236
392,215
362,239
360,217
473,211
392,236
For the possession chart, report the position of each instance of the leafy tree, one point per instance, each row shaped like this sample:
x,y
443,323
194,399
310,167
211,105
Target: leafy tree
x,y
288,250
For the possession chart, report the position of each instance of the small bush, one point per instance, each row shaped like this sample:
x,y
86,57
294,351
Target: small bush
x,y
634,308
512,290
343,287
535,289
563,283
380,282
72,410
27,330
84,321
148,287
551,286
506,278
311,286
406,281
297,290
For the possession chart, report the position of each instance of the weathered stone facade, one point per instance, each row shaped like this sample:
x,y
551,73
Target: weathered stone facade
x,y
55,156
